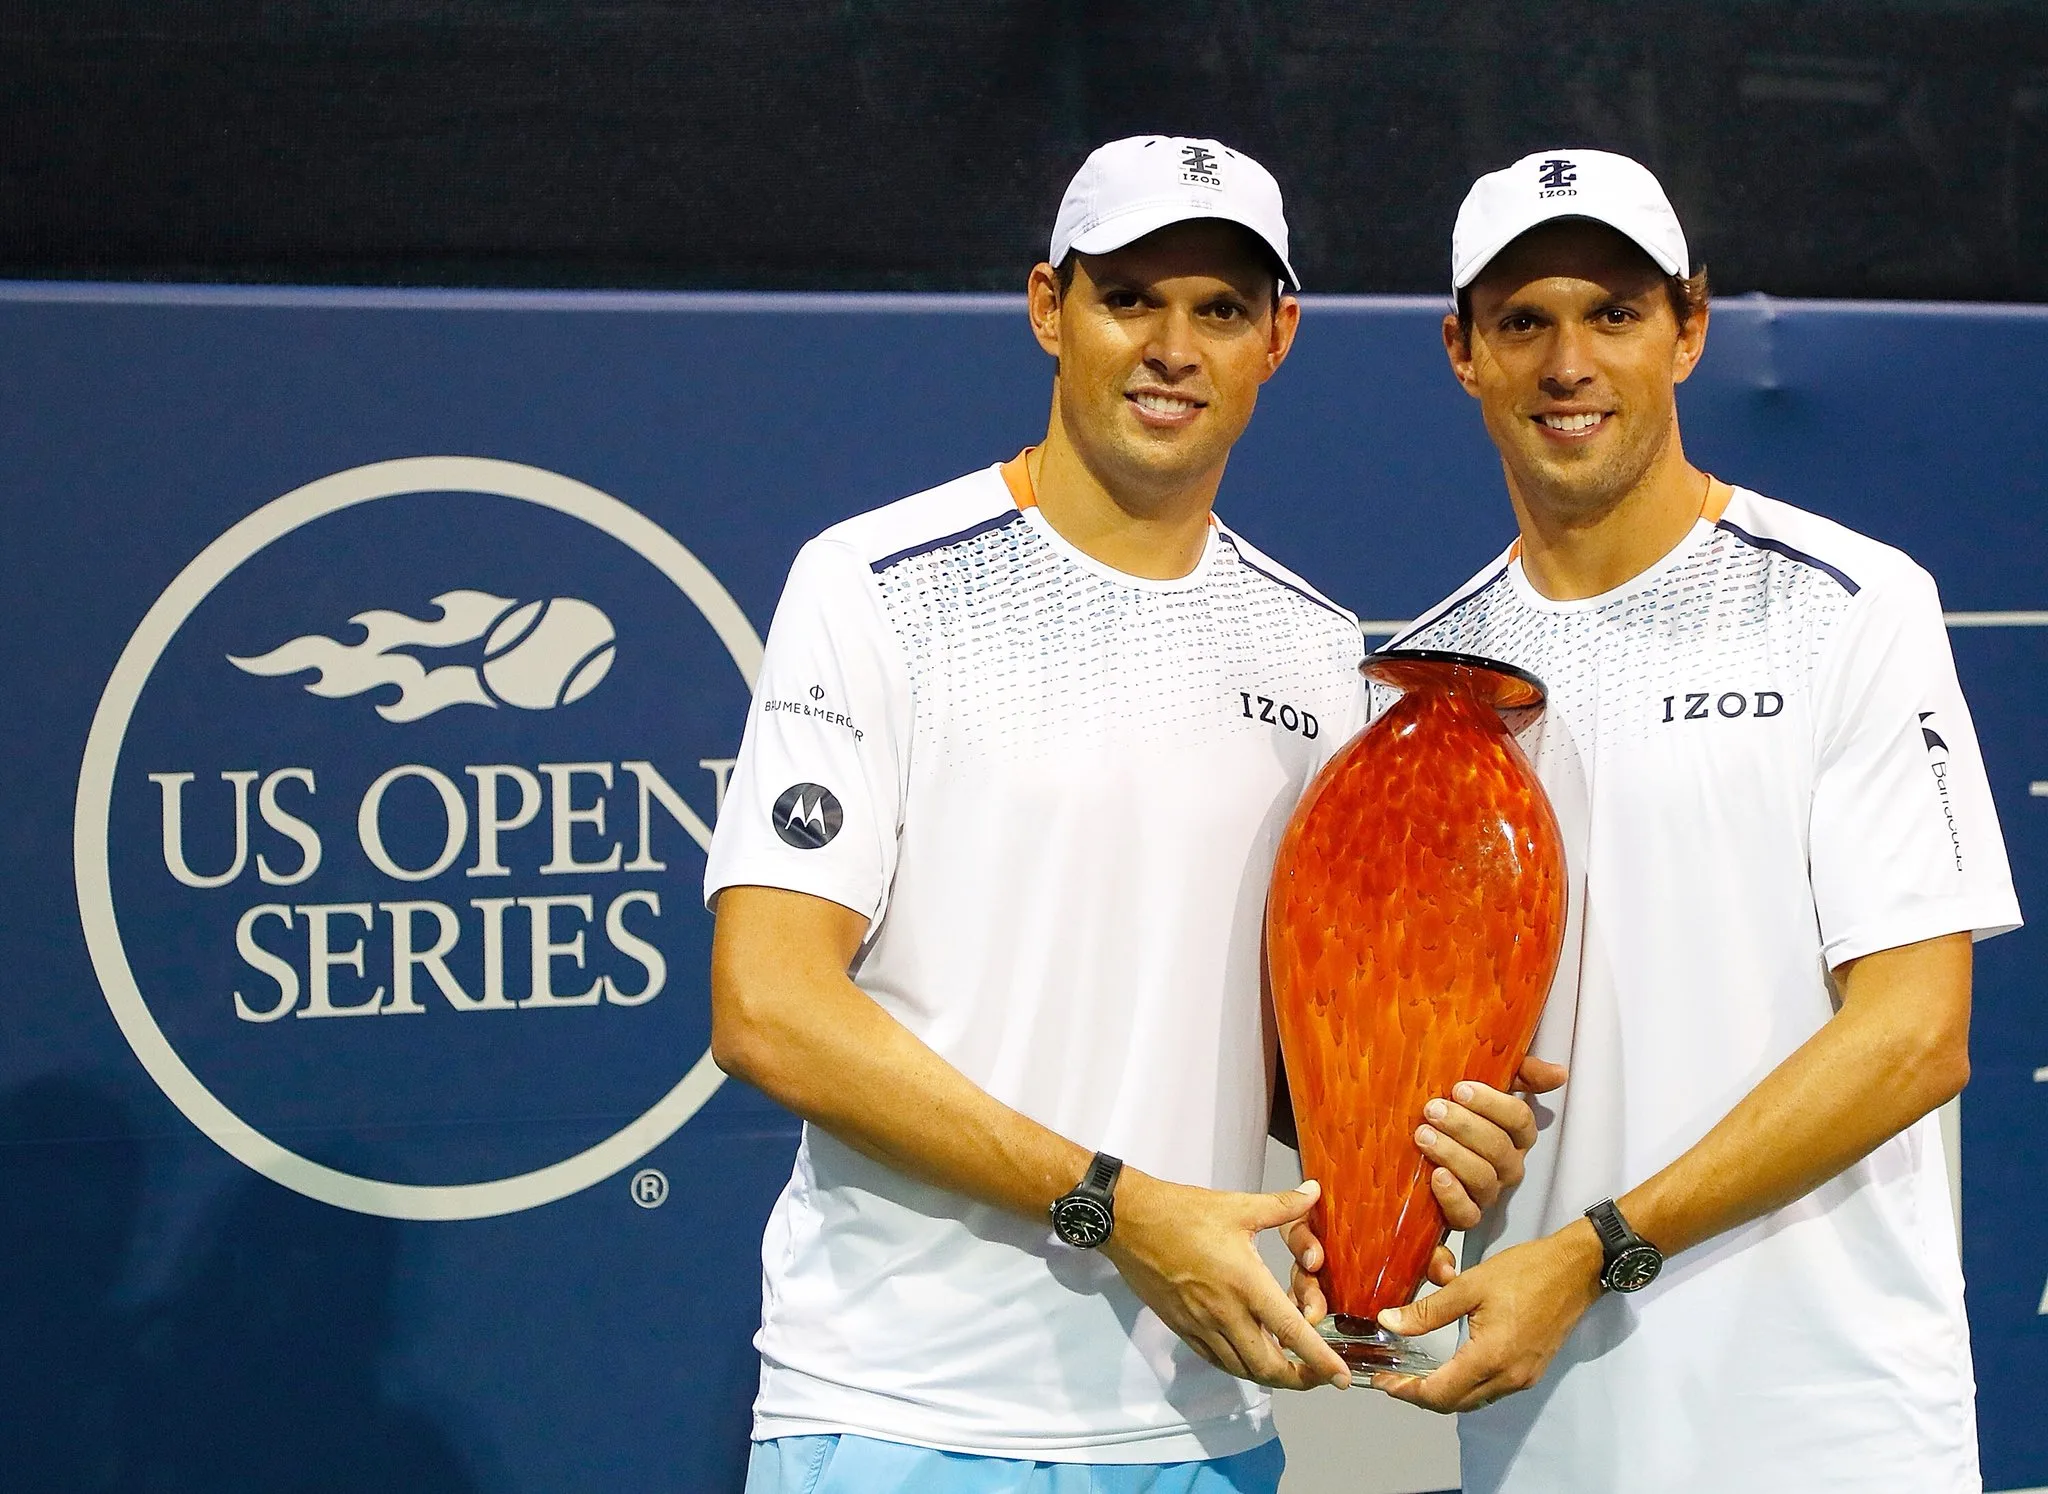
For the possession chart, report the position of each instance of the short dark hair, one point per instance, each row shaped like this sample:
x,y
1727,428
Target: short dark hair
x,y
1688,295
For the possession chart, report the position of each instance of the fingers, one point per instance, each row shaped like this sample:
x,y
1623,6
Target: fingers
x,y
1463,1204
1485,1106
1319,1363
1467,1179
1402,1388
1427,1314
1539,1076
1452,1388
1247,1344
1307,1291
1273,1210
1467,1381
1443,1267
1303,1245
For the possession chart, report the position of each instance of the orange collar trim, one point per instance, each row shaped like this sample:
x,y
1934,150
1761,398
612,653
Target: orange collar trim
x,y
1718,494
1017,478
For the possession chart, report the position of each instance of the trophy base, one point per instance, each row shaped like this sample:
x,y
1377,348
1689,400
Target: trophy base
x,y
1369,1349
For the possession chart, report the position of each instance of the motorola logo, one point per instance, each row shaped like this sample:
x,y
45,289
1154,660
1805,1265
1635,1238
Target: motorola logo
x,y
807,816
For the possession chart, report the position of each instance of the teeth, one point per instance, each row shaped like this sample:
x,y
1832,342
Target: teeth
x,y
1572,424
1163,404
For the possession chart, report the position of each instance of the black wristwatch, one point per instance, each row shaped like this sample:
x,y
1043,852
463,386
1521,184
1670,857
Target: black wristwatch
x,y
1084,1217
1630,1262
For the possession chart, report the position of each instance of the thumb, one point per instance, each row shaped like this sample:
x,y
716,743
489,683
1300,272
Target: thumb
x,y
1286,1206
1539,1076
1429,1313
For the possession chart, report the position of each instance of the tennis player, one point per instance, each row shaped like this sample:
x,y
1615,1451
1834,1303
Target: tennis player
x,y
989,883
1732,1265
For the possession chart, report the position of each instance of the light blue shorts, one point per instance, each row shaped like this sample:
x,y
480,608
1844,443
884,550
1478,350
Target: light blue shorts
x,y
843,1464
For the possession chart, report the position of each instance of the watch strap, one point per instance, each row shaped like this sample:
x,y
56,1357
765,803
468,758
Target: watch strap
x,y
1615,1235
1628,1261
1103,1172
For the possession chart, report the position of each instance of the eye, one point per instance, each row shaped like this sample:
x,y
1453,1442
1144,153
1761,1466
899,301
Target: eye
x,y
1227,311
1519,321
1121,300
1615,316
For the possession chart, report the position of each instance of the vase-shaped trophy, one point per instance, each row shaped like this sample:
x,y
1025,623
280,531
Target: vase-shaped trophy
x,y
1413,929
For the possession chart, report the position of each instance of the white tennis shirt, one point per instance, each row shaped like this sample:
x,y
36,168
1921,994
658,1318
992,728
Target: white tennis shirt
x,y
1055,791
1764,768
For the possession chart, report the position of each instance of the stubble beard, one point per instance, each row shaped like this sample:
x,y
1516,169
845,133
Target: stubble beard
x,y
1134,469
1582,492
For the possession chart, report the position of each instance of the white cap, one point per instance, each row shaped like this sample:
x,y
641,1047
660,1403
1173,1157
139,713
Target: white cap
x,y
1595,184
1128,188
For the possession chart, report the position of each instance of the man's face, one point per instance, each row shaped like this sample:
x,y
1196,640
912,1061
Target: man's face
x,y
1574,356
1162,347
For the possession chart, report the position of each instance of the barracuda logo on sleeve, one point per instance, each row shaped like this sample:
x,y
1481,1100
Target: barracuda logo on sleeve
x,y
382,876
1937,761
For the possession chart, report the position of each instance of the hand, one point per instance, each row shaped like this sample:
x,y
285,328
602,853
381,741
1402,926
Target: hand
x,y
1478,1139
1189,1255
1306,1287
1520,1306
1479,1150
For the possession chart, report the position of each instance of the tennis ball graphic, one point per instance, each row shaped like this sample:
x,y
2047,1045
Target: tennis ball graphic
x,y
546,654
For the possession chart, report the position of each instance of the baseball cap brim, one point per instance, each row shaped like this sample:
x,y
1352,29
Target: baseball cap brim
x,y
1486,253
1132,222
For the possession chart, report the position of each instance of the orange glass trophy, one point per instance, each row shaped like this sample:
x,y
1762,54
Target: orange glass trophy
x,y
1412,932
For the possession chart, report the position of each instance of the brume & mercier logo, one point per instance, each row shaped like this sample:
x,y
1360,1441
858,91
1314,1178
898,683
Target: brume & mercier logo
x,y
296,809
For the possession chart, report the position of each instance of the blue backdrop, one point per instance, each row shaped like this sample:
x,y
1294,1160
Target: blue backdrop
x,y
534,1268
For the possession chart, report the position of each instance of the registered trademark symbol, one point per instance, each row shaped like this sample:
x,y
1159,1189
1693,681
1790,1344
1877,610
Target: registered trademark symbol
x,y
650,1187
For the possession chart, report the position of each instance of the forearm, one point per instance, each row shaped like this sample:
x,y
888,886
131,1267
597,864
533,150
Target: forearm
x,y
1897,1049
800,1031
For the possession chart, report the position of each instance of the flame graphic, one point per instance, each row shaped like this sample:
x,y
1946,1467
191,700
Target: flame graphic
x,y
350,669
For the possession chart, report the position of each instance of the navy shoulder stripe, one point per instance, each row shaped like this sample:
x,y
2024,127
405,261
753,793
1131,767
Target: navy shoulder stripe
x,y
1471,596
1781,548
1259,570
1010,517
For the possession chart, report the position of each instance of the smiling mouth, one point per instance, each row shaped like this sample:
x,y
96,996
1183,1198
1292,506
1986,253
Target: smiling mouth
x,y
1166,406
1573,425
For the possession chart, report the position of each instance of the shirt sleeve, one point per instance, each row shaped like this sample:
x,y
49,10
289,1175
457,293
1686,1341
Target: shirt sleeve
x,y
815,801
1904,840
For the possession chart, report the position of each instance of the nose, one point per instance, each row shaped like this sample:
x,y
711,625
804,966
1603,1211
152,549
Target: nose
x,y
1170,352
1568,368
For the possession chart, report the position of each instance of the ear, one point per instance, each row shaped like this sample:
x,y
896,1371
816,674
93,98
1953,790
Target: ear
x,y
1042,297
1458,348
1692,343
1286,322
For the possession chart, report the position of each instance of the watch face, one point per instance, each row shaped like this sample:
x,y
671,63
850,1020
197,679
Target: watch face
x,y
1081,1222
1635,1268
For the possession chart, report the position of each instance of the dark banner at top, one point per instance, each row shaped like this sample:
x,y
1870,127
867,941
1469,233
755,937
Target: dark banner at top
x,y
1813,147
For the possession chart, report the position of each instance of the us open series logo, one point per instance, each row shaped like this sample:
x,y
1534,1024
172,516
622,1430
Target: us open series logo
x,y
390,833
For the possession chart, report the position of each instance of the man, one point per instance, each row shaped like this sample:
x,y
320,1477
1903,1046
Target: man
x,y
1783,842
989,881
